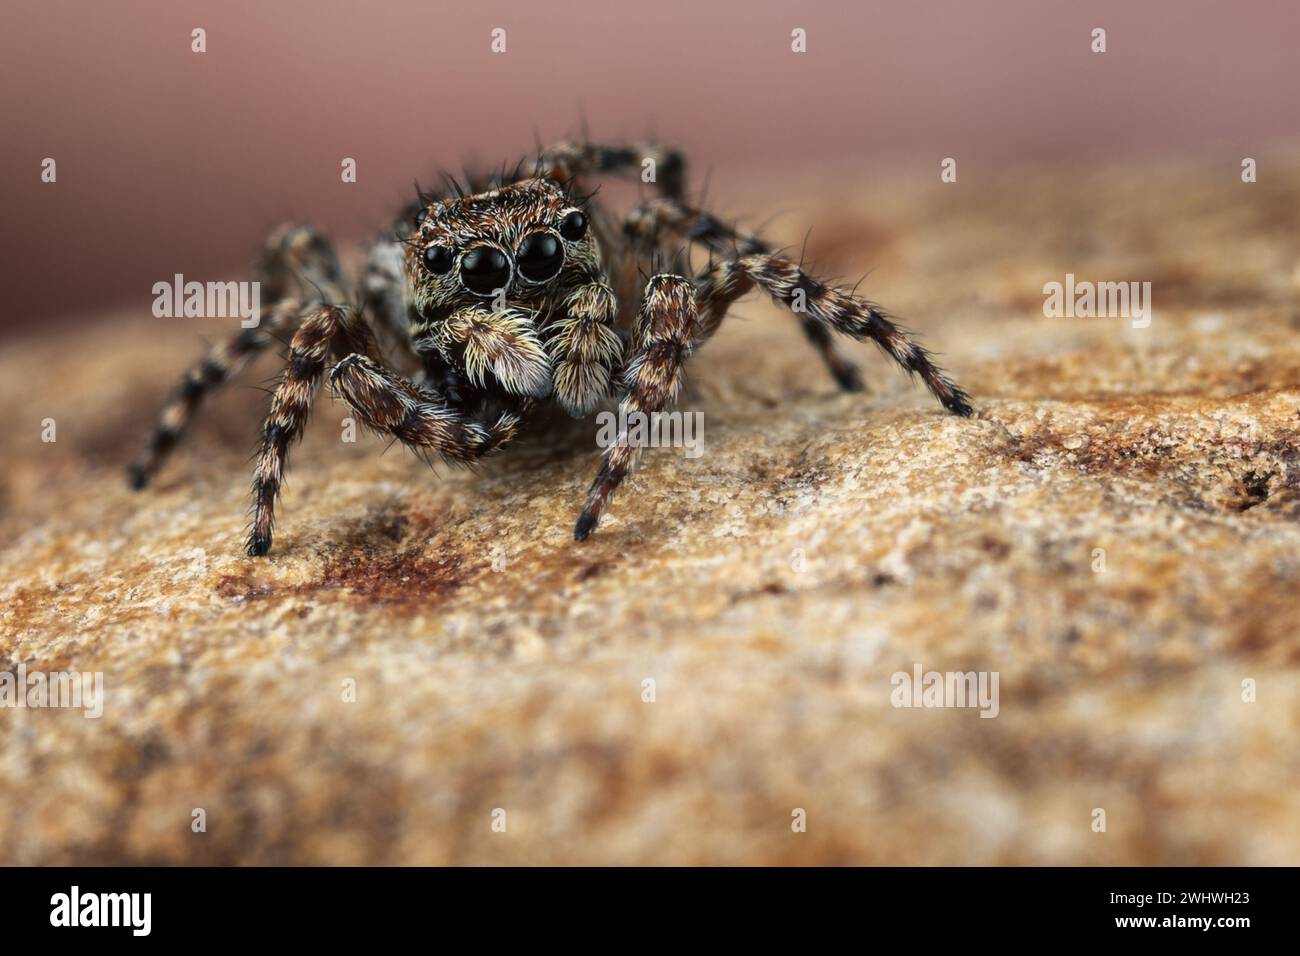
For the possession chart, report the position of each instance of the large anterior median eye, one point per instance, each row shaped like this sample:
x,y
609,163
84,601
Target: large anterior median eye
x,y
484,270
540,257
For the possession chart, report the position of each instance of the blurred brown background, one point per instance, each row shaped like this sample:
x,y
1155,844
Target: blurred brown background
x,y
170,161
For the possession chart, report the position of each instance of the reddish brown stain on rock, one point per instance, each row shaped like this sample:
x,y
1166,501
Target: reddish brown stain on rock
x,y
406,577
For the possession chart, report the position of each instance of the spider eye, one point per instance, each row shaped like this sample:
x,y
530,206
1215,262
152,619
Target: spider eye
x,y
574,226
540,257
437,259
484,270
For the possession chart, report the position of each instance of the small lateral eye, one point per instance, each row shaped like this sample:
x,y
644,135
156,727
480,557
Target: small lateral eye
x,y
438,259
573,226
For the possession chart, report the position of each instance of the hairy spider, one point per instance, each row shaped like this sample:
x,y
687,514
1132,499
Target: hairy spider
x,y
506,293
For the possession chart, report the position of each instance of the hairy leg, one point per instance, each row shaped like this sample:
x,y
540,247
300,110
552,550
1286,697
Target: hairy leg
x,y
835,309
569,161
666,331
650,224
222,363
421,420
299,261
326,331
297,266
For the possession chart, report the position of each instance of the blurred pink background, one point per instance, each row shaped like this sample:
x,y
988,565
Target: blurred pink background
x,y
170,161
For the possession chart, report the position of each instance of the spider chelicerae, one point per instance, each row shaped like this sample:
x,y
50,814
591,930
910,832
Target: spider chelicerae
x,y
506,293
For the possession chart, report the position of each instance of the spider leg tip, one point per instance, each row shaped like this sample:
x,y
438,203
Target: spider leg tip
x,y
137,478
960,406
586,524
848,377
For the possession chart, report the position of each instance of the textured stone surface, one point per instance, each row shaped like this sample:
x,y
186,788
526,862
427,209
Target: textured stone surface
x,y
769,588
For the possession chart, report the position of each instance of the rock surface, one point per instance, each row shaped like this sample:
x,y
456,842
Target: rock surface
x,y
1117,535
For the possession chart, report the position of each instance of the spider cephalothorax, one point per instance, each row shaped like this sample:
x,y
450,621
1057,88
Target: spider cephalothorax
x,y
507,294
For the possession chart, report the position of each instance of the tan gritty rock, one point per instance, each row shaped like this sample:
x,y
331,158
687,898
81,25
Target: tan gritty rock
x,y
1116,534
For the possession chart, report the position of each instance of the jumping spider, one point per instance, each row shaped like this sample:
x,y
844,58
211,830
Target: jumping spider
x,y
505,294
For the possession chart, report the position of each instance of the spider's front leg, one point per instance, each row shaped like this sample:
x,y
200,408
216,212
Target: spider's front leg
x,y
393,406
666,329
326,330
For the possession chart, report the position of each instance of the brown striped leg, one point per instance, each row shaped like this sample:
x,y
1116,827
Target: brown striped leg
x,y
836,309
666,331
647,224
297,265
326,330
569,161
846,373
298,261
222,362
393,406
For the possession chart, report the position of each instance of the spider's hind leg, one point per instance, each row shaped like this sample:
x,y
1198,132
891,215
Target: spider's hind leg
x,y
833,308
822,308
569,161
845,371
221,363
646,225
